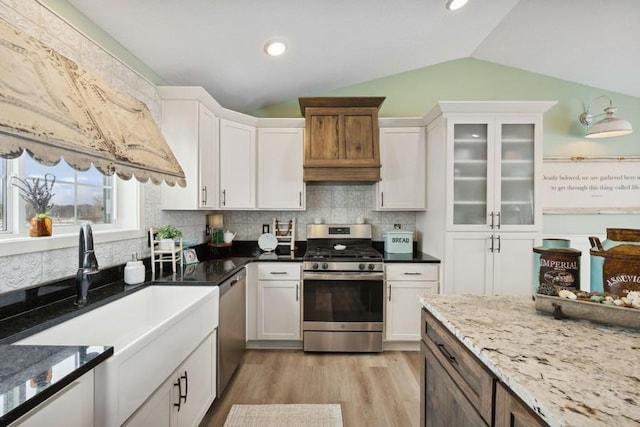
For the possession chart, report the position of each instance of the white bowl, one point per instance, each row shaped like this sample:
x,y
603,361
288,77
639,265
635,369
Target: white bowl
x,y
339,247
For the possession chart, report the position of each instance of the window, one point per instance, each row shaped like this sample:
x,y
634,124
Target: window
x,y
78,196
112,205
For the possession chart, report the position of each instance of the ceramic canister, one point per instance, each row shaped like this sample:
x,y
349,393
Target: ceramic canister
x,y
556,263
134,272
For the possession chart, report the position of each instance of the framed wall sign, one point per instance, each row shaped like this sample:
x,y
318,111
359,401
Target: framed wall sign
x,y
189,256
591,185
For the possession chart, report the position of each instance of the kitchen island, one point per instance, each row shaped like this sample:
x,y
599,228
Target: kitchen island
x,y
568,372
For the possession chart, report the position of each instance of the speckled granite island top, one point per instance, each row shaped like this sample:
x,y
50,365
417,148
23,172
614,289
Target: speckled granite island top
x,y
570,372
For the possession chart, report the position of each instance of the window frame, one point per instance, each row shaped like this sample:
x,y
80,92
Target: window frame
x,y
128,214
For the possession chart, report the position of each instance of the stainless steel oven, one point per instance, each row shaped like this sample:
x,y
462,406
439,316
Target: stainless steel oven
x,y
343,290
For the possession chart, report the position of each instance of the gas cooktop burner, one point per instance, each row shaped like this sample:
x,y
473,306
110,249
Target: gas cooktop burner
x,y
329,253
341,247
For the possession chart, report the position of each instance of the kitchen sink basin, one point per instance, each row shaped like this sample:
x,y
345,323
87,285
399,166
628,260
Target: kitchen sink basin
x,y
126,321
152,331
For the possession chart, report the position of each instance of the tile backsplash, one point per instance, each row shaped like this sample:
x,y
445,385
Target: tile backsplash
x,y
333,203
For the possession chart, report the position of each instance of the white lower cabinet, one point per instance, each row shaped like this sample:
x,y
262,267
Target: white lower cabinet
x,y
404,283
184,398
278,303
70,407
489,263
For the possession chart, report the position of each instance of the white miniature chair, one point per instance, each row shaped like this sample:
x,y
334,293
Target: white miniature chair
x,y
162,255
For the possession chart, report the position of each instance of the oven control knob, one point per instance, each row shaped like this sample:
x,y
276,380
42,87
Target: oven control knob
x,y
361,266
325,266
315,266
371,266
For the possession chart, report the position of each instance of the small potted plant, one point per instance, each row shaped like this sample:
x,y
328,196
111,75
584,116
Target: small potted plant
x,y
167,234
37,192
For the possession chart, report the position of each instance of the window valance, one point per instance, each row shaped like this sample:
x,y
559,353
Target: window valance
x,y
53,108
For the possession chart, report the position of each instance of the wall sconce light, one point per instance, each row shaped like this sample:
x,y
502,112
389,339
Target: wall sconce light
x,y
607,127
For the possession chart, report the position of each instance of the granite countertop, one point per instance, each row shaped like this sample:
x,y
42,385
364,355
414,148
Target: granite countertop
x,y
21,366
206,273
418,257
570,372
31,374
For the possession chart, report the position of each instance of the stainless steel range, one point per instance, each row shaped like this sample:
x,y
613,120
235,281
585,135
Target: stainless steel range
x,y
343,289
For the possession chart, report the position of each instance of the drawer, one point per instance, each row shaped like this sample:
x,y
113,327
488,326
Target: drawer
x,y
471,376
413,272
279,271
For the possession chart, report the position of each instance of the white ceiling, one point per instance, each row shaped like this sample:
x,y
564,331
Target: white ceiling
x,y
218,44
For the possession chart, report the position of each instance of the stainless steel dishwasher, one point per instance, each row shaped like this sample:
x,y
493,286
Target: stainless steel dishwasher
x,y
231,328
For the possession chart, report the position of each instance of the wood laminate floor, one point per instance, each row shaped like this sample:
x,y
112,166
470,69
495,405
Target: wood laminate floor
x,y
380,389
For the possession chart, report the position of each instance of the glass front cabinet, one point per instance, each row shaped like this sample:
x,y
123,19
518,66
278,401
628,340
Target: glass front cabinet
x,y
484,163
494,166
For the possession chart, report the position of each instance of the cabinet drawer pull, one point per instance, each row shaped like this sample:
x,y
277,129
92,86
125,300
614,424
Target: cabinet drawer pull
x,y
413,274
179,385
446,354
186,386
204,195
297,291
499,221
389,292
224,197
277,272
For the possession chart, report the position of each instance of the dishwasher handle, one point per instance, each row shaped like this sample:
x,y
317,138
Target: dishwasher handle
x,y
232,281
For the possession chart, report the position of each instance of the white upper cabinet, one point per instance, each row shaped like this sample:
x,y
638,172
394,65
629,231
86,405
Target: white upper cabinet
x,y
403,158
191,130
237,165
489,155
494,166
280,155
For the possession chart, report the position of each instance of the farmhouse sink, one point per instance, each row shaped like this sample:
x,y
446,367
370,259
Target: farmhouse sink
x,y
152,331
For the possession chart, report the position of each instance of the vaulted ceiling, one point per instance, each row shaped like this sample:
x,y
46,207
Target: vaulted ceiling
x,y
218,44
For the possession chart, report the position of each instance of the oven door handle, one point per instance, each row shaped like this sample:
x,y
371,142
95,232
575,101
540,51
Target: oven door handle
x,y
345,275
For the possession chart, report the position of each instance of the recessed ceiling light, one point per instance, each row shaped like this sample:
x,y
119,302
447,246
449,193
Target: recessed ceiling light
x,y
275,47
456,4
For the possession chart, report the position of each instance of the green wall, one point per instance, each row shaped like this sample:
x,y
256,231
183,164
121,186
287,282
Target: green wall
x,y
414,93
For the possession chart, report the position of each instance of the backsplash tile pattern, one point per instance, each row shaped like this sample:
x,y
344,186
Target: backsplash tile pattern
x,y
332,203
336,203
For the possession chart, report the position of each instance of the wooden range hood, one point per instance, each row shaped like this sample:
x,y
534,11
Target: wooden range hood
x,y
341,140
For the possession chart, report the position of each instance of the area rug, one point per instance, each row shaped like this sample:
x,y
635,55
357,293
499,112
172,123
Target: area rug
x,y
312,415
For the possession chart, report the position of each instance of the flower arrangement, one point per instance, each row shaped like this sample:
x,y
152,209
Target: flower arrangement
x,y
168,232
37,193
